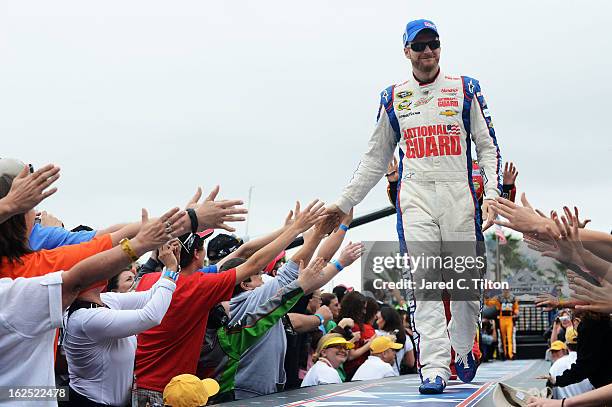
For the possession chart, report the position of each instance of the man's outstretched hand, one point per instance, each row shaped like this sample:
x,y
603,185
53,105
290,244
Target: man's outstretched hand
x,y
523,219
214,214
313,213
28,190
155,232
488,214
547,301
309,276
597,299
333,209
350,253
328,224
510,174
568,215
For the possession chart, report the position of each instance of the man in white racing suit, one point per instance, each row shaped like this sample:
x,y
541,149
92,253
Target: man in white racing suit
x,y
433,118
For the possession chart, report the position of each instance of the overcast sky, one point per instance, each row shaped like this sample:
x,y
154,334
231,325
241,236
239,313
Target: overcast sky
x,y
141,101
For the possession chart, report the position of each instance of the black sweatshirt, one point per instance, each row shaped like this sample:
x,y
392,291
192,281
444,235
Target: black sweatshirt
x,y
594,359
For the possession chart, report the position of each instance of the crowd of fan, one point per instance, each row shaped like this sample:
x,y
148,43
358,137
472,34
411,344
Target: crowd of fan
x,y
231,319
195,320
580,335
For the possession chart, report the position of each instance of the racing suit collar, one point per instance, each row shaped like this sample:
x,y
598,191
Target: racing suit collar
x,y
428,82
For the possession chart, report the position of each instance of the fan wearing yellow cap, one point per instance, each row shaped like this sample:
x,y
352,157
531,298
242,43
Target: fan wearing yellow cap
x,y
382,355
565,363
557,350
187,390
332,351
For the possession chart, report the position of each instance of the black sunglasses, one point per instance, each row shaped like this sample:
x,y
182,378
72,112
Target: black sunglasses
x,y
420,46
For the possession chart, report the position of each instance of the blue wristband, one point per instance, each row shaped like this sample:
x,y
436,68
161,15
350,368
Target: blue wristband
x,y
337,264
343,227
172,275
320,318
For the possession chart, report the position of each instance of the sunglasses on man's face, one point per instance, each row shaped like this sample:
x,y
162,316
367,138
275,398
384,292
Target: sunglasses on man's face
x,y
420,46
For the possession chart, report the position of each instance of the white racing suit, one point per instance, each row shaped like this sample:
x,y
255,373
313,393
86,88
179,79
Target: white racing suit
x,y
434,125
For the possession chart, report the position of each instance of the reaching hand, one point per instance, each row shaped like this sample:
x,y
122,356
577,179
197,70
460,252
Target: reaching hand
x,y
392,174
539,244
523,219
488,214
193,202
548,301
28,190
325,312
597,299
309,276
350,253
176,249
510,174
348,218
167,255
157,231
526,204
346,323
312,214
290,219
543,402
327,224
333,208
213,214
569,247
568,215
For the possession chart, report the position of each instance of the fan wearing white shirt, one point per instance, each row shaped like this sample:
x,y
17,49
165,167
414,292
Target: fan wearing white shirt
x,y
31,308
389,323
332,351
100,335
379,363
563,361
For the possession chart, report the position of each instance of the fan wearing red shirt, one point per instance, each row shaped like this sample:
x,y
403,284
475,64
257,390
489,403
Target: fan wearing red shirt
x,y
354,306
173,347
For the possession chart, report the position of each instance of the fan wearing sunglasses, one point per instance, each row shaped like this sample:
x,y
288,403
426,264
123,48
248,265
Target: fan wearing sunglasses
x,y
434,118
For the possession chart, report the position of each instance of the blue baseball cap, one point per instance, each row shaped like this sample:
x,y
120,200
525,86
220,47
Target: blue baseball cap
x,y
415,27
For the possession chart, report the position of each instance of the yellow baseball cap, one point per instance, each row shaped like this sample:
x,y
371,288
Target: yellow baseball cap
x,y
187,390
557,345
382,343
571,336
337,341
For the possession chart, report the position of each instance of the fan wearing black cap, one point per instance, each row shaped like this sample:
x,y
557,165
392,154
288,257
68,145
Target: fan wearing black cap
x,y
221,246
